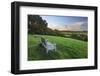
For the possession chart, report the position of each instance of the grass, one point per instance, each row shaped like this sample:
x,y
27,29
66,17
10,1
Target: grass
x,y
67,48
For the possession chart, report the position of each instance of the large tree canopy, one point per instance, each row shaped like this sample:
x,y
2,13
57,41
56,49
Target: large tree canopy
x,y
36,25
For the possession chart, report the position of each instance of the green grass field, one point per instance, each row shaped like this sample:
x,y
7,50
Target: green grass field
x,y
67,48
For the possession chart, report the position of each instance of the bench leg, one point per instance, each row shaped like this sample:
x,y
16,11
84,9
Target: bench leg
x,y
47,50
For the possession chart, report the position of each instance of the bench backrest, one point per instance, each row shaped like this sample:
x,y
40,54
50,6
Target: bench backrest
x,y
43,40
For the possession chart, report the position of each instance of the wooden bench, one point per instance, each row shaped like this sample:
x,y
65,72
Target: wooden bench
x,y
48,45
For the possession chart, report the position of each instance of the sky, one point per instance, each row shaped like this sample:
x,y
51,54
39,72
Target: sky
x,y
66,23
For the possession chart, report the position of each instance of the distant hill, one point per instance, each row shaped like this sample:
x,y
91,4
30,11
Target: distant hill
x,y
72,31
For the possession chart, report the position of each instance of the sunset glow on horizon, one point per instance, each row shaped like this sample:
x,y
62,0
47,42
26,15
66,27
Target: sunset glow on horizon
x,y
67,23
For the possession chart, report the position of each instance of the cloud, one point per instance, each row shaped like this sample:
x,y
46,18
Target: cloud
x,y
58,27
78,26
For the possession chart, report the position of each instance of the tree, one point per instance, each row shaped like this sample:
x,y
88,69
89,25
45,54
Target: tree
x,y
36,25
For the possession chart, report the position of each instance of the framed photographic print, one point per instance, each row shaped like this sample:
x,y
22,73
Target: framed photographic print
x,y
52,37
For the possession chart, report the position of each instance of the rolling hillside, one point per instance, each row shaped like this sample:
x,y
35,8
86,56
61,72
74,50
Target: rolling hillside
x,y
67,48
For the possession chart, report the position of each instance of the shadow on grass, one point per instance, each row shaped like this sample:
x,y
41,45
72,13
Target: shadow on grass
x,y
38,52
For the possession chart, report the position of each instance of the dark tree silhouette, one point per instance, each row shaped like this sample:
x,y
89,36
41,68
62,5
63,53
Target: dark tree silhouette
x,y
36,25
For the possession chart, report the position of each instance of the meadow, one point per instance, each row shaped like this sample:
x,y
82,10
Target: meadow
x,y
67,48
80,35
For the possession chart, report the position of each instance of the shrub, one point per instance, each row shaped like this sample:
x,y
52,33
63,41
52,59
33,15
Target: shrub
x,y
80,37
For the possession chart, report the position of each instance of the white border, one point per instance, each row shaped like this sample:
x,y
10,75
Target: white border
x,y
26,65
